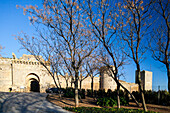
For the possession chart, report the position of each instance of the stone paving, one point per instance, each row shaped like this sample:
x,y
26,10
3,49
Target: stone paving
x,y
27,103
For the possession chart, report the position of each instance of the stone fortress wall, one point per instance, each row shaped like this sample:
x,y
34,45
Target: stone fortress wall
x,y
107,82
27,74
18,74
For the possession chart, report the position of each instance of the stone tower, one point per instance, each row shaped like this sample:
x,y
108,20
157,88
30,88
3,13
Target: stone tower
x,y
106,81
146,79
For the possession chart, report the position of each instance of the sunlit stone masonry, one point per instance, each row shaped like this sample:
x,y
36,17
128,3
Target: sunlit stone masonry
x,y
107,82
26,74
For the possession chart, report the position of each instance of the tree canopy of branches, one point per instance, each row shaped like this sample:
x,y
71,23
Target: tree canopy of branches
x,y
92,67
68,34
69,31
42,50
161,35
137,20
104,18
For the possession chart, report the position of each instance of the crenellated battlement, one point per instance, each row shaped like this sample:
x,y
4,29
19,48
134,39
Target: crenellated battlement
x,y
24,60
5,60
27,62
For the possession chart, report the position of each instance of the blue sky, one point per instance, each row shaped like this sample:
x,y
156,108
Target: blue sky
x,y
12,21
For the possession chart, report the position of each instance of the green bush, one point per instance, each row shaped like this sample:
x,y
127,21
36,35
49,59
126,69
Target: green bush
x,y
95,93
82,93
109,98
106,101
123,101
137,95
89,92
151,97
109,93
69,92
164,98
109,101
101,93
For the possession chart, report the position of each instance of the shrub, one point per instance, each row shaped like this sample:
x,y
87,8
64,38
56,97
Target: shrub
x,y
82,93
95,93
89,92
137,95
151,97
101,93
69,92
106,101
109,93
164,98
123,101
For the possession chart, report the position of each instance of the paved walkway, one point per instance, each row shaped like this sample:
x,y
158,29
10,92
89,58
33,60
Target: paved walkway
x,y
27,103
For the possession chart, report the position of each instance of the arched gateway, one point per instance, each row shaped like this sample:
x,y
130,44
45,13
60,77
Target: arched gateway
x,y
32,81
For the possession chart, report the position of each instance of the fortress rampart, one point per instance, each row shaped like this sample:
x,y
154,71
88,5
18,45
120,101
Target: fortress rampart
x,y
27,74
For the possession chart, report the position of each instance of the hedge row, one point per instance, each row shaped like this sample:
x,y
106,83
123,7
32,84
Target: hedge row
x,y
102,93
153,97
109,98
70,93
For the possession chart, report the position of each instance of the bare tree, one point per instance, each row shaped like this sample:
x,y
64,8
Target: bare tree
x,y
67,71
82,76
92,66
137,20
161,35
43,52
64,73
103,16
71,38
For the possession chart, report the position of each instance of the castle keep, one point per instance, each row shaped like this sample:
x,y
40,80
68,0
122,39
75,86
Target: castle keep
x,y
27,74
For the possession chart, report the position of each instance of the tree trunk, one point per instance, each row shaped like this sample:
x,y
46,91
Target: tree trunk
x,y
92,85
118,98
55,81
168,74
58,81
141,89
80,84
169,81
119,84
76,89
57,86
72,81
66,83
128,93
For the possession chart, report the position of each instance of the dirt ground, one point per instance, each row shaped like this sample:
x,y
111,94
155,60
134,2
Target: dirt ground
x,y
90,102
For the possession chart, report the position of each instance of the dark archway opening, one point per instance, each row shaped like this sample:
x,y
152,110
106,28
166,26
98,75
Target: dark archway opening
x,y
35,87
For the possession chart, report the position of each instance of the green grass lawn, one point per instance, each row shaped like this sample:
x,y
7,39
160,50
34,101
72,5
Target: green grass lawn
x,y
104,110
